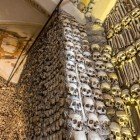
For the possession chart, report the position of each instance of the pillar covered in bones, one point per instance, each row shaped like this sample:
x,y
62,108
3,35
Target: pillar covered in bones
x,y
122,27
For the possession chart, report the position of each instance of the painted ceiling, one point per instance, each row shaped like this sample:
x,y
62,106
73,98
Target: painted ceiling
x,y
22,20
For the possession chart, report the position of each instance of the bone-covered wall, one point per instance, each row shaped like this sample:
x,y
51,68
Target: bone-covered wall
x,y
122,27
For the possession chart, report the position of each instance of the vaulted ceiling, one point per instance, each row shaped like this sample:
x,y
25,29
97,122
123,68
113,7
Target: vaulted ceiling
x,y
21,20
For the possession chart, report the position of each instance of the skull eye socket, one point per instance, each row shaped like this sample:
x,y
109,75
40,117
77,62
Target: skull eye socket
x,y
99,108
91,122
74,103
74,121
87,105
72,88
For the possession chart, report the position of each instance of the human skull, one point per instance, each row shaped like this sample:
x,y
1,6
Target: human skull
x,y
81,68
96,56
109,67
72,89
69,46
105,86
126,133
88,62
84,78
70,65
121,56
91,71
102,75
113,78
76,40
89,105
104,122
71,77
75,2
130,51
70,56
95,47
122,118
86,90
106,57
114,61
95,83
79,58
108,100
68,38
74,24
126,95
76,122
82,7
97,94
67,30
107,49
135,91
90,7
126,20
66,23
93,121
83,35
116,91
76,33
99,65
88,15
92,135
115,131
77,49
87,54
75,104
100,107
119,104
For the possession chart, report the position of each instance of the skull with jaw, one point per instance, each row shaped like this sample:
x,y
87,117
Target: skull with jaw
x,y
79,58
109,67
130,51
84,78
91,71
95,47
126,133
89,105
81,68
97,94
95,83
70,56
107,49
75,104
104,122
100,108
126,95
71,77
86,90
76,122
102,75
70,65
92,135
99,65
72,89
135,91
122,118
105,86
113,78
119,104
116,91
115,131
93,121
109,101
106,57
96,56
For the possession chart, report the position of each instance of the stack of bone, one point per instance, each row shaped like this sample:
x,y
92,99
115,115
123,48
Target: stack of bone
x,y
112,96
122,28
